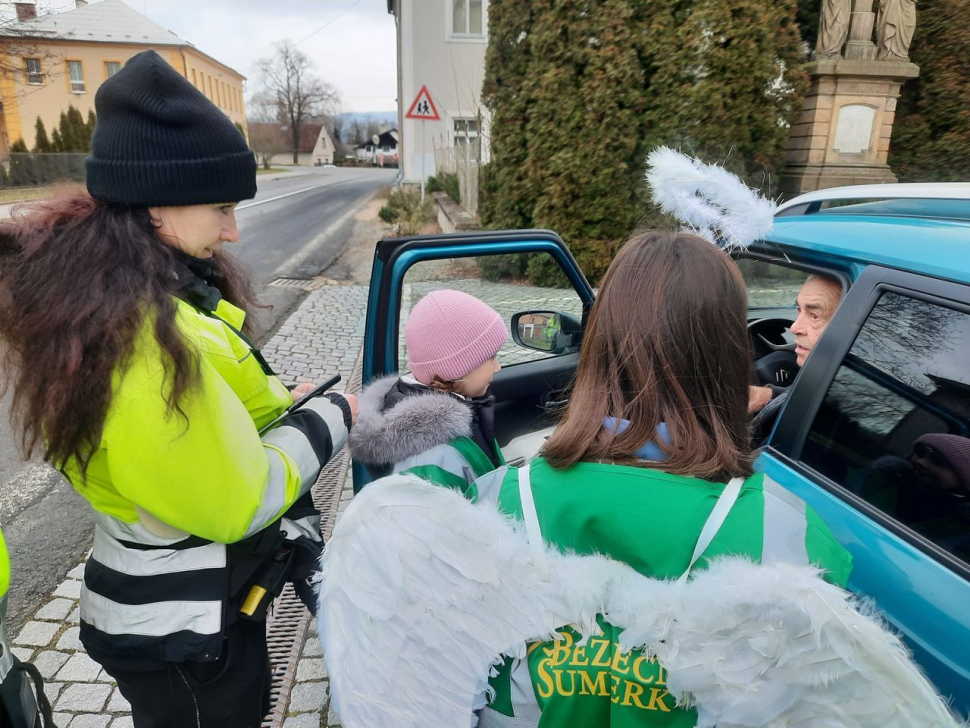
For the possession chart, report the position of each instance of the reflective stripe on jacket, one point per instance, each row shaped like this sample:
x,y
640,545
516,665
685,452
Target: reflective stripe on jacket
x,y
180,496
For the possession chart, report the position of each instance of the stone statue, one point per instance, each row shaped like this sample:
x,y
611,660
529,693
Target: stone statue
x,y
833,28
894,29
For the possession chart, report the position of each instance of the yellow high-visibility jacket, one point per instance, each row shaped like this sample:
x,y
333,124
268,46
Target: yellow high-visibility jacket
x,y
171,488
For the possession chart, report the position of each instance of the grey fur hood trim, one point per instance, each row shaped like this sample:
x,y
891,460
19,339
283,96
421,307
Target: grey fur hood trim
x,y
410,427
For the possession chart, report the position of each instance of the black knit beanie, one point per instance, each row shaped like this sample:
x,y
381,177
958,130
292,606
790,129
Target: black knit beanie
x,y
160,142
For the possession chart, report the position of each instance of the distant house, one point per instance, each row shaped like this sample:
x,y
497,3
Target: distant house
x,y
65,57
315,149
382,152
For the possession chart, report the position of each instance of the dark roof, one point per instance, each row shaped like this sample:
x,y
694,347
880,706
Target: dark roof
x,y
385,139
309,132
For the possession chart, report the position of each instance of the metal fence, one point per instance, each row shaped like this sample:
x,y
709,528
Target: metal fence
x,y
464,161
34,170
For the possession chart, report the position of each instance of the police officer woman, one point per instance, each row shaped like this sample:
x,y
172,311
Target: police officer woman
x,y
123,321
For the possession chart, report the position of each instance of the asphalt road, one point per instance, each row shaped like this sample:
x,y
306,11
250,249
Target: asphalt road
x,y
295,228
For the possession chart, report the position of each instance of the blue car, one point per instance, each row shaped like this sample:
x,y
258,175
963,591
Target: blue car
x,y
890,373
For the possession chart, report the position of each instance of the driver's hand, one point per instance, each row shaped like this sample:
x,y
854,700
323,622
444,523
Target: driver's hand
x,y
758,397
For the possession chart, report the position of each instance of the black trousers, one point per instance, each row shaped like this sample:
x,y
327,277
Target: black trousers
x,y
231,692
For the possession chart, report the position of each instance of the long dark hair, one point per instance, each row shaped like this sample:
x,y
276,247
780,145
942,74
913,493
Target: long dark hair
x,y
666,342
78,280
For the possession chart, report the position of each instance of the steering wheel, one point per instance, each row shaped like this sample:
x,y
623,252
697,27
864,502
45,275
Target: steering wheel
x,y
774,356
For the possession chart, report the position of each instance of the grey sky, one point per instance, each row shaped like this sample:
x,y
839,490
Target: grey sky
x,y
355,51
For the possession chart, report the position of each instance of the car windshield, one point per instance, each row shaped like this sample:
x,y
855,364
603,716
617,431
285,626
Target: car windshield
x,y
770,286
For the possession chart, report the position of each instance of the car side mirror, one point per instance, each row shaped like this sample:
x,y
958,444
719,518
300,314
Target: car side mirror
x,y
552,332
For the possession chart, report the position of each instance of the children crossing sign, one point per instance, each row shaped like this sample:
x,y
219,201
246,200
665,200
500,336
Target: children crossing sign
x,y
423,107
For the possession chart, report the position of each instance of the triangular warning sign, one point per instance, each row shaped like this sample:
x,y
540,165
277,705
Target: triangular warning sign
x,y
423,107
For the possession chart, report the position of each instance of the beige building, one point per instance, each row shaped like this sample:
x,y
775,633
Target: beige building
x,y
273,142
62,59
441,45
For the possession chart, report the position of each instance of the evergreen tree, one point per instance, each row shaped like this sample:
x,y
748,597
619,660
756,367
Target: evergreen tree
x,y
57,144
931,135
91,123
580,91
42,144
728,86
21,165
69,141
808,18
81,134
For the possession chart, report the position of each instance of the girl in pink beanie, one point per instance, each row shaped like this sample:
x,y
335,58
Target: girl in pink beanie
x,y
437,422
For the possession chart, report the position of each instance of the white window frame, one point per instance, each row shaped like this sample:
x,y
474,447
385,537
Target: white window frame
x,y
39,74
107,73
465,37
467,136
77,86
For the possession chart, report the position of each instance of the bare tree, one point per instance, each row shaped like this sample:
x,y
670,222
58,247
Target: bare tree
x,y
289,78
262,107
266,140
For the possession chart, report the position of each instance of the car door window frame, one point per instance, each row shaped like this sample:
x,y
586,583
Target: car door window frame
x,y
813,384
786,261
380,356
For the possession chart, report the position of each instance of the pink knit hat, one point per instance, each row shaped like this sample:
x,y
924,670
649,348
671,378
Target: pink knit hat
x,y
450,333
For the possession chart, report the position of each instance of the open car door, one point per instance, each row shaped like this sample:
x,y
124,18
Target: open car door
x,y
546,321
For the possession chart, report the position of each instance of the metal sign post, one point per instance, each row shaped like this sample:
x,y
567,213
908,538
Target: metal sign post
x,y
423,109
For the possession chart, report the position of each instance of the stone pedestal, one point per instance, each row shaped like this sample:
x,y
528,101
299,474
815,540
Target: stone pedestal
x,y
842,136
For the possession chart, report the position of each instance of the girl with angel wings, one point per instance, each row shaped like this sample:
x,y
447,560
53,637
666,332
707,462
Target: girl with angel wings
x,y
639,574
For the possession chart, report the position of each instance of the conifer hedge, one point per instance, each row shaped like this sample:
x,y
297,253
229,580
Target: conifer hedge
x,y
581,90
931,134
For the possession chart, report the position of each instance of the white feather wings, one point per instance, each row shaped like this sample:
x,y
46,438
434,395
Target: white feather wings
x,y
707,198
423,590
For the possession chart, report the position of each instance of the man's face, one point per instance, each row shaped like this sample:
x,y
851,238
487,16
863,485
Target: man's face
x,y
816,303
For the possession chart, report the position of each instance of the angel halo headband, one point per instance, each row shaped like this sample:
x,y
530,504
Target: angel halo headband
x,y
708,200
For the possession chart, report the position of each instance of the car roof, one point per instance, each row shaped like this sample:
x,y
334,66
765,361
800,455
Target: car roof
x,y
897,192
924,228
939,248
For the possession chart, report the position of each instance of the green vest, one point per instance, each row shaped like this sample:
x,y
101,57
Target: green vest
x,y
455,464
650,520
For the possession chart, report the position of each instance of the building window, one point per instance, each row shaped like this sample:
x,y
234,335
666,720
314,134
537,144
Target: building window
x,y
467,17
195,78
34,76
466,131
76,72
111,68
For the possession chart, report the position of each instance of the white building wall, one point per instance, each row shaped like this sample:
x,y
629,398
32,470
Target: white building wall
x,y
452,67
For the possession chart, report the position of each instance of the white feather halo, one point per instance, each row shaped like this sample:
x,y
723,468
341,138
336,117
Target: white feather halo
x,y
709,200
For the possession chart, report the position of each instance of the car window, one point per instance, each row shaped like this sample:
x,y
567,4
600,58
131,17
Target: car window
x,y
894,427
501,282
770,285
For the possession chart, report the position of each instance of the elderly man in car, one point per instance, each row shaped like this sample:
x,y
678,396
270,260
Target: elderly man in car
x,y
817,301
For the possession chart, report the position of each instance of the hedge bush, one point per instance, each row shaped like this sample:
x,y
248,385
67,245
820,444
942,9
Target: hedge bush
x,y
580,92
931,136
